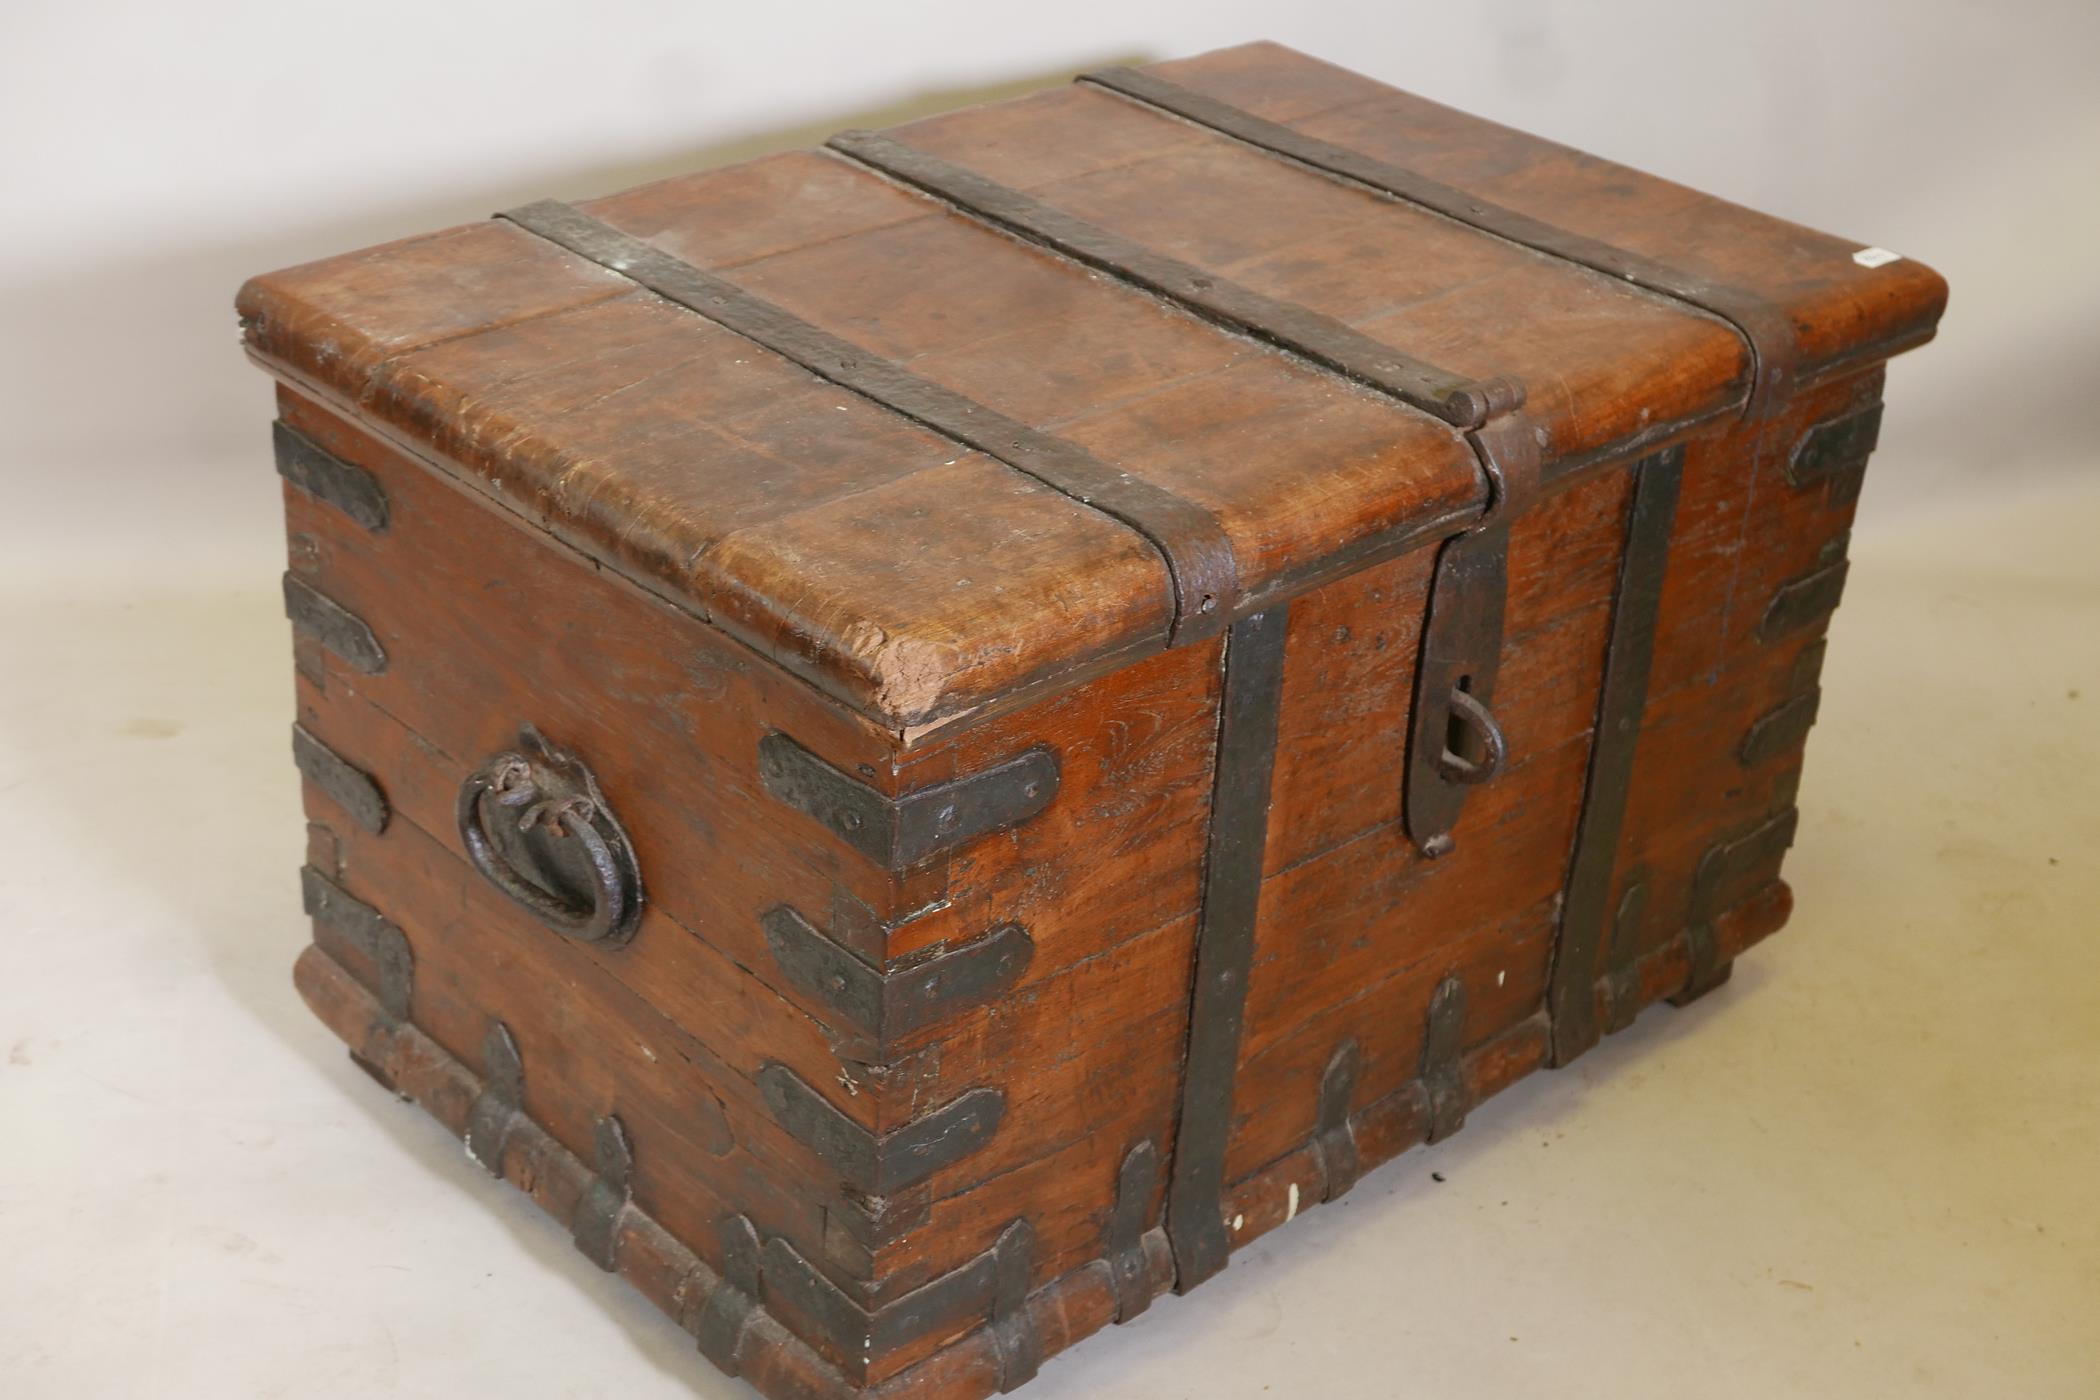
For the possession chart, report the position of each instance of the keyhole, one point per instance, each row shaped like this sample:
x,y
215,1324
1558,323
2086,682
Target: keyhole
x,y
1458,735
1454,727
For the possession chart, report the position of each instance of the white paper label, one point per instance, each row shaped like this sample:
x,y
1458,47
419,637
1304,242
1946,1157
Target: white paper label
x,y
1876,257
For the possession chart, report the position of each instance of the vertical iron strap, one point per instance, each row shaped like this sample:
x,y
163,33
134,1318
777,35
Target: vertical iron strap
x,y
1197,551
1775,348
1628,658
1239,828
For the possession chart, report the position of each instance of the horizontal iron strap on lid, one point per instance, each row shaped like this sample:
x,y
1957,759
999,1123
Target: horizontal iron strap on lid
x,y
1775,349
1505,443
1333,344
1197,551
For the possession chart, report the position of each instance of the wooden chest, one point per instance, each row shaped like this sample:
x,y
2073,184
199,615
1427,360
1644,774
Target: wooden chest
x,y
924,738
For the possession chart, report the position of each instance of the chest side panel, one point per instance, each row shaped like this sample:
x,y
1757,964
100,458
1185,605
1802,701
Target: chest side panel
x,y
688,1032
482,630
1755,573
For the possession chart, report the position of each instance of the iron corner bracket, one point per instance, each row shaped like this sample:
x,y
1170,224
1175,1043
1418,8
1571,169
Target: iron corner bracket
x,y
353,789
332,625
350,922
872,1009
992,1286
326,477
1806,601
1835,449
899,833
880,1165
1722,871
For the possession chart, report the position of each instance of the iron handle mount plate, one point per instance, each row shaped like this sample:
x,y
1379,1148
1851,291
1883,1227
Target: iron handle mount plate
x,y
535,824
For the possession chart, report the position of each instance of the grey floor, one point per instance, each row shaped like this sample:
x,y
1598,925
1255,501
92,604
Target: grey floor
x,y
1870,1166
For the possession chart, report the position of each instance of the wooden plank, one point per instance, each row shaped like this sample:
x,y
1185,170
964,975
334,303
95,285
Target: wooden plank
x,y
1593,353
1841,308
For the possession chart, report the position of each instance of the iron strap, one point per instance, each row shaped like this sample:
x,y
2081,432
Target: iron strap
x,y
1484,410
1775,348
1239,826
334,626
880,1165
1806,601
1198,554
1124,1236
326,477
1333,344
595,1226
1334,1131
1446,1096
871,1010
354,790
501,1103
993,1287
1629,655
723,1319
901,832
343,921
1716,885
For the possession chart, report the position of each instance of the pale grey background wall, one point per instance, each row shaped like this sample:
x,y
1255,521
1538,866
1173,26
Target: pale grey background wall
x,y
155,154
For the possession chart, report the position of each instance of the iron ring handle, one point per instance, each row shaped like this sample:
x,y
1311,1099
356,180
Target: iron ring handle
x,y
1467,709
551,790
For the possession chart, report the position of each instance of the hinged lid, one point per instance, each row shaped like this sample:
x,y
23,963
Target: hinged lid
x,y
970,408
